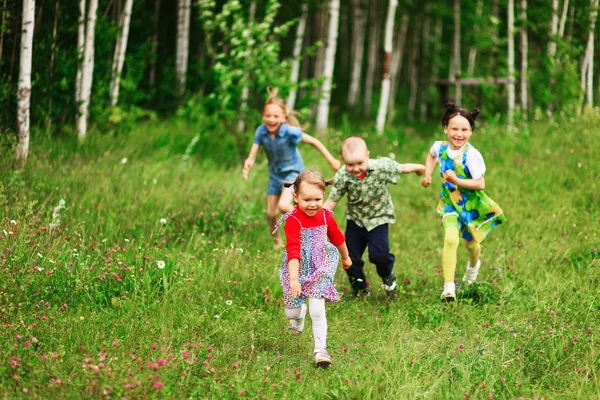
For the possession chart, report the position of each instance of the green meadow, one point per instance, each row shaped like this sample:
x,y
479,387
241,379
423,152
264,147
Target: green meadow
x,y
155,277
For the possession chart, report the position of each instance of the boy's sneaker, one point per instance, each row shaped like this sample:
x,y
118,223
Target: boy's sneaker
x,y
390,285
297,325
322,358
449,293
470,275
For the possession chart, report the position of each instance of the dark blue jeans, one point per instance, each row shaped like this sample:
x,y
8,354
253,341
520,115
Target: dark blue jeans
x,y
378,242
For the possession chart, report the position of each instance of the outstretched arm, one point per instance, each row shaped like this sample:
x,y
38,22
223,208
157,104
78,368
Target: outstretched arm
x,y
346,262
418,169
316,143
472,184
330,204
429,167
250,161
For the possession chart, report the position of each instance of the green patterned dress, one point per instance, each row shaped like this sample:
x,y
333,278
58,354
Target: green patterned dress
x,y
477,213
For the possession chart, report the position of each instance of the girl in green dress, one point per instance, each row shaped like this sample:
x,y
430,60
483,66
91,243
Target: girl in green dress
x,y
463,206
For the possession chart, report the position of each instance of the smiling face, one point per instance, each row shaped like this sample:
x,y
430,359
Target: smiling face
x,y
356,160
309,198
273,117
459,132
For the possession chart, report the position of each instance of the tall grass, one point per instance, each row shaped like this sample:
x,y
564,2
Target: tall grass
x,y
88,312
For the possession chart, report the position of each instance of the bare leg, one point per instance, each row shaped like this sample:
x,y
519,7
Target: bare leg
x,y
272,214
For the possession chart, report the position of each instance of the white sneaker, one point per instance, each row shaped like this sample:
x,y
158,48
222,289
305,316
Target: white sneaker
x,y
322,358
449,293
470,275
297,325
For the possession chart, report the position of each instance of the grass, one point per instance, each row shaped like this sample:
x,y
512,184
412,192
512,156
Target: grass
x,y
86,311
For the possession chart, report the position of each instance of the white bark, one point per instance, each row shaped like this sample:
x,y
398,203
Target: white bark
x,y
300,32
245,89
320,28
154,46
590,50
456,56
80,49
24,87
120,50
183,42
385,83
323,110
396,66
414,70
372,57
476,29
524,54
358,50
553,30
511,63
88,70
563,19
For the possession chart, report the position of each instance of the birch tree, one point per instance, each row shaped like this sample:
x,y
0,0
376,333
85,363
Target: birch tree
x,y
2,30
414,69
385,83
321,29
24,87
323,110
120,49
524,54
396,65
456,53
358,50
183,42
553,30
80,49
511,63
154,45
87,71
300,32
587,69
476,30
51,65
245,89
372,57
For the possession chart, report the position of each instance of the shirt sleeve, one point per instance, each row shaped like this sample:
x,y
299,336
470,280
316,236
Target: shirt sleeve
x,y
294,134
258,135
435,149
292,238
391,169
339,186
335,235
475,164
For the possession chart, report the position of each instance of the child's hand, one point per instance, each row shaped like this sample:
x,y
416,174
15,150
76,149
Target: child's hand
x,y
450,176
246,169
420,171
346,263
295,287
335,165
425,182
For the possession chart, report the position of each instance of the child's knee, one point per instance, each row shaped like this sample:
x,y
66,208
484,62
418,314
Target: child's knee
x,y
293,313
381,258
317,313
451,237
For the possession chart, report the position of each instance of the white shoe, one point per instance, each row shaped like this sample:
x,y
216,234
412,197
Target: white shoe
x,y
297,325
470,275
322,358
449,293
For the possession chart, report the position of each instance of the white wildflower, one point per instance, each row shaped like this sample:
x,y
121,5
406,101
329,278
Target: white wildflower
x,y
229,302
13,222
160,264
216,317
163,221
124,160
154,181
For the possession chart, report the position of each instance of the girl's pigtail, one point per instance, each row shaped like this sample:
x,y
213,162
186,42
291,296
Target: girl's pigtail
x,y
475,113
287,184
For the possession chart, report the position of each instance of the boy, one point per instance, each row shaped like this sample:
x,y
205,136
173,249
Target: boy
x,y
369,211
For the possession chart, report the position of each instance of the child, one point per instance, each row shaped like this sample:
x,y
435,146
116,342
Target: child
x,y
280,135
370,210
310,262
463,205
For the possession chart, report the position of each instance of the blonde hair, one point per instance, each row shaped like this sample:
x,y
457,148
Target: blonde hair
x,y
290,116
309,176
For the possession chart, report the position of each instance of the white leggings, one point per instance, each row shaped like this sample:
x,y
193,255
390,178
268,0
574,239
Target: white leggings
x,y
316,308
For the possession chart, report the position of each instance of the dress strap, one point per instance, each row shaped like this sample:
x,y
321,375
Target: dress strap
x,y
283,218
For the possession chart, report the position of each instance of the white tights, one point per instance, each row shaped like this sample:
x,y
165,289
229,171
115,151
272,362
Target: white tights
x,y
316,308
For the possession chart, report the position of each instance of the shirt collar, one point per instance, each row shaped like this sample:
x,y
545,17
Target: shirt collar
x,y
279,133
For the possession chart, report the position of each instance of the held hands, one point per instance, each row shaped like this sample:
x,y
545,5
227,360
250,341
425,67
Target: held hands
x,y
335,165
295,287
346,263
247,165
426,181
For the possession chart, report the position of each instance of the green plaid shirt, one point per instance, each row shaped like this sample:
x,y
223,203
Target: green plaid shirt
x,y
369,201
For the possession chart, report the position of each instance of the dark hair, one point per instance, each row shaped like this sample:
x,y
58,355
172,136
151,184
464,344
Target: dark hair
x,y
309,176
452,111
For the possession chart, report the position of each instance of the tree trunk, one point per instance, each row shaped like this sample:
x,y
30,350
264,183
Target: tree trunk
x,y
437,51
2,30
88,70
300,32
424,57
323,110
321,28
51,65
245,89
563,19
24,90
358,50
476,29
80,50
385,83
590,69
154,46
457,67
183,41
414,69
396,66
511,63
120,49
553,31
372,61
524,54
